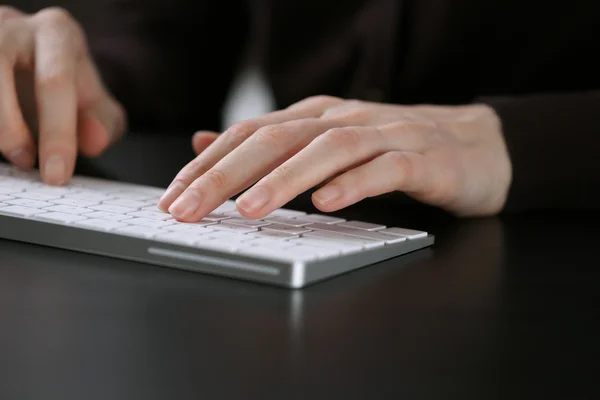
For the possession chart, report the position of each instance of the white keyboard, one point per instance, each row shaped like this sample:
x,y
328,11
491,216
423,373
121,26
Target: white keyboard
x,y
288,248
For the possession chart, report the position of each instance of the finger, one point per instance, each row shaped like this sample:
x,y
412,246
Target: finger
x,y
59,46
8,12
408,172
201,140
267,149
101,118
16,142
236,135
331,153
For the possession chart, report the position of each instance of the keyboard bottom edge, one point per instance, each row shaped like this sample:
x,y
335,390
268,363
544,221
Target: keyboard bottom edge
x,y
223,264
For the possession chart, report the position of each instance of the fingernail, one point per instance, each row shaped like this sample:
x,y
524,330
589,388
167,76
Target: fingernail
x,y
327,195
55,169
22,158
253,200
186,205
170,195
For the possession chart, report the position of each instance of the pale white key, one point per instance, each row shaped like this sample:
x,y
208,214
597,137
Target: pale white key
x,y
283,212
13,183
140,231
367,226
29,203
229,205
21,211
192,229
247,222
113,209
126,203
100,224
9,190
324,219
234,214
133,196
60,217
223,235
107,216
36,195
159,216
153,207
408,233
91,196
344,247
216,217
178,238
233,228
268,243
151,223
358,233
57,192
366,243
66,201
298,222
4,197
68,209
274,234
294,230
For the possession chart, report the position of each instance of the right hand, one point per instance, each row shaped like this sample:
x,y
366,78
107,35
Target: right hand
x,y
49,84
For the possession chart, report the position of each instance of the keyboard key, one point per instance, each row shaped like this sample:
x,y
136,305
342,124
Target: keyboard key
x,y
10,190
216,217
68,209
126,203
28,203
140,231
113,209
358,233
100,224
287,213
342,246
408,233
21,211
247,222
150,223
158,216
233,228
60,217
274,234
36,195
66,201
294,230
367,226
364,242
107,216
298,222
4,197
324,219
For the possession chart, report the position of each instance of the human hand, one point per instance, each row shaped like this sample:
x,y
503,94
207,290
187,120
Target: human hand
x,y
451,157
49,81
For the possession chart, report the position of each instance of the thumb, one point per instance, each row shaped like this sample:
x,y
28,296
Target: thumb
x,y
202,139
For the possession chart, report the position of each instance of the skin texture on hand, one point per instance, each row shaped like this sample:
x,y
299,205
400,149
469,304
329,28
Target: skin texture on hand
x,y
452,157
48,77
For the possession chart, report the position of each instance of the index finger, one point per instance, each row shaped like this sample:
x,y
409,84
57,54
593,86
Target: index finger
x,y
58,49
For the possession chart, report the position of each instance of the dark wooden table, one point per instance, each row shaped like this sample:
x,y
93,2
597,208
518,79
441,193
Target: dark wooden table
x,y
500,308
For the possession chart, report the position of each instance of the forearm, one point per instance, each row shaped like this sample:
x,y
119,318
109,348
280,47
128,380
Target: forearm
x,y
554,144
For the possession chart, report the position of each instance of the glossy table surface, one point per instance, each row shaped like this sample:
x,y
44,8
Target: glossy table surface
x,y
499,308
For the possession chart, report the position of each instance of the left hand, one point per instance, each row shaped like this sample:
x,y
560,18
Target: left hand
x,y
452,157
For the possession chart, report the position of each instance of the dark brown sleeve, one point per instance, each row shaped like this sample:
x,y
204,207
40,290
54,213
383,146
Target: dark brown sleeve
x,y
554,145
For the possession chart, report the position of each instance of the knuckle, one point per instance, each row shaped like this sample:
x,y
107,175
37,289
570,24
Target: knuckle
x,y
400,163
347,139
272,134
239,132
217,178
319,101
57,78
283,174
55,15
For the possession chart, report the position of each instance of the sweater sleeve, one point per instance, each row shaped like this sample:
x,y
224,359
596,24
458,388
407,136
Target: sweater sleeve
x,y
554,144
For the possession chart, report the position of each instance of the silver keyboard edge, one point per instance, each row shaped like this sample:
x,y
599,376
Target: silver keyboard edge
x,y
291,275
